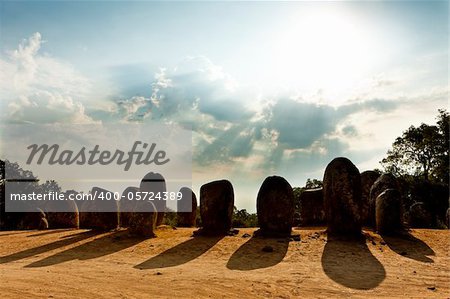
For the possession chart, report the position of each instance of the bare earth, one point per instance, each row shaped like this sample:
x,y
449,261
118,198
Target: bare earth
x,y
82,264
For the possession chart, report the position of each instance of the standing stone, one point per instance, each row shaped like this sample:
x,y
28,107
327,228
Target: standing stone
x,y
43,224
186,208
143,223
419,216
127,205
154,183
342,197
275,207
387,212
63,214
216,207
34,220
312,211
368,178
93,215
384,182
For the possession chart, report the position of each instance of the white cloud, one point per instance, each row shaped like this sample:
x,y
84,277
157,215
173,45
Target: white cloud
x,y
39,88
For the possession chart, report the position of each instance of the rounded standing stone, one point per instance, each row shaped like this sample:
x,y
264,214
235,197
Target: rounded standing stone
x,y
384,182
275,207
154,183
127,205
100,214
419,216
142,223
63,214
342,197
34,220
216,207
368,178
387,212
312,211
186,208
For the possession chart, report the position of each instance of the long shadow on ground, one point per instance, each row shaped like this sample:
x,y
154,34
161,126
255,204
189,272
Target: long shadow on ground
x,y
2,234
50,232
351,264
409,246
46,247
250,255
181,253
101,246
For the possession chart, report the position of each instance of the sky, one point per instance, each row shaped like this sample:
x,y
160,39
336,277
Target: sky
x,y
268,88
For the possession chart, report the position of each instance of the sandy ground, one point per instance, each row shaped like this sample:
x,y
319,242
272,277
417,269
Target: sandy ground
x,y
82,264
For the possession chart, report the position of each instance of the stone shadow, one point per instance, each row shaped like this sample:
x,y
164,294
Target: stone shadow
x,y
181,253
50,232
250,255
99,247
410,247
351,264
46,247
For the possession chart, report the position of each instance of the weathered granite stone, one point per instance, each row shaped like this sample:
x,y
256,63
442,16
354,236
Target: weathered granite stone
x,y
216,207
275,207
155,184
368,178
312,210
92,213
387,212
384,182
187,202
342,197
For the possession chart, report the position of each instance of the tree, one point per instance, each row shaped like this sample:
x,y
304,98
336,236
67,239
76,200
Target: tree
x,y
421,151
241,218
313,184
420,160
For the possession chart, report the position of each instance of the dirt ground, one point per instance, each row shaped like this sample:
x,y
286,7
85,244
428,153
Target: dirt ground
x,y
83,264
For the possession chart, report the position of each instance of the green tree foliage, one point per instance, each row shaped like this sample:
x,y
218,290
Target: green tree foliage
x,y
422,151
420,161
313,184
14,171
242,218
170,217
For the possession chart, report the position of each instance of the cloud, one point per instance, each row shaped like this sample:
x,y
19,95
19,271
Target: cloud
x,y
235,130
45,107
40,89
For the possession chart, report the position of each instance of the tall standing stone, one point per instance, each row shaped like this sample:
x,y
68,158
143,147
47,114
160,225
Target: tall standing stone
x,y
368,178
384,182
216,207
154,183
275,207
387,212
342,197
186,208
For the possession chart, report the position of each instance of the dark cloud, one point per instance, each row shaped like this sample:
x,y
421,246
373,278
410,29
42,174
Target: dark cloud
x,y
300,124
234,142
